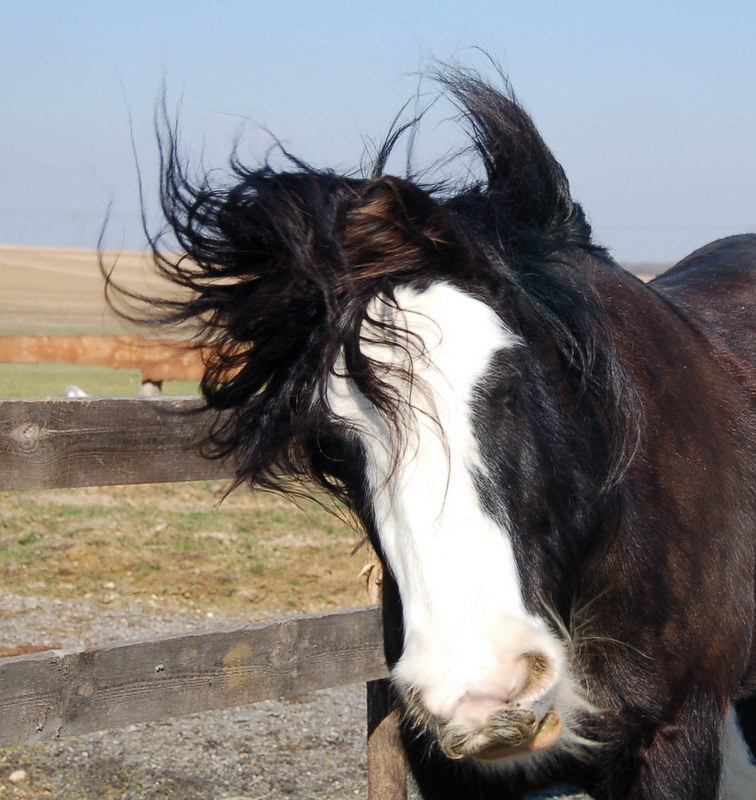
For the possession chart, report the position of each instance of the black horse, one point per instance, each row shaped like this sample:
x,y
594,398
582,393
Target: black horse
x,y
555,462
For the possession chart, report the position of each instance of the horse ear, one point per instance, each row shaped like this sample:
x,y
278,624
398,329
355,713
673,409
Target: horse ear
x,y
395,227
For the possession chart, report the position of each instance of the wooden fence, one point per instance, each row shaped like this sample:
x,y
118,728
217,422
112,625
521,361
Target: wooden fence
x,y
89,442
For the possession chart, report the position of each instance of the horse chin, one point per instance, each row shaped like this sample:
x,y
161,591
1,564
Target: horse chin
x,y
507,734
548,734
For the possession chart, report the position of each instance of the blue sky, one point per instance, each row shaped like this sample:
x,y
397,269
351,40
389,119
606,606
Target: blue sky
x,y
650,106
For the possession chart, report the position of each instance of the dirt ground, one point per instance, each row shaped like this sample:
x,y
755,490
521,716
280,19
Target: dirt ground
x,y
83,567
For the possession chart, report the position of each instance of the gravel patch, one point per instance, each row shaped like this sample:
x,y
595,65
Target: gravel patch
x,y
310,748
82,622
307,747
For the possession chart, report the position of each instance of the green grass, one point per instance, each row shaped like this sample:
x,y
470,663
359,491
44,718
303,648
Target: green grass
x,y
51,380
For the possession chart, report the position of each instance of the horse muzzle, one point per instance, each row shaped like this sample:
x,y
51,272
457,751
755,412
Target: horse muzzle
x,y
506,732
512,706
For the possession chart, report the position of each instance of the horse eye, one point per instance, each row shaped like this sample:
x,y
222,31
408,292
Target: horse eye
x,y
496,397
506,394
499,394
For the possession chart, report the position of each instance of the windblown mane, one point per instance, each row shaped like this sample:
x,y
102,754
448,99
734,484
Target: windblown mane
x,y
281,268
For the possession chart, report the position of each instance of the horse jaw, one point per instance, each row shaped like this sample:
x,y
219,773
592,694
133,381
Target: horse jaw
x,y
470,644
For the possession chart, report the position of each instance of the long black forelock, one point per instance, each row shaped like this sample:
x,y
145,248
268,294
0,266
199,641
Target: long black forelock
x,y
292,318
281,268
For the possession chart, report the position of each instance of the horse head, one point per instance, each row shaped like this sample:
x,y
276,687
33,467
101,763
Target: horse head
x,y
430,357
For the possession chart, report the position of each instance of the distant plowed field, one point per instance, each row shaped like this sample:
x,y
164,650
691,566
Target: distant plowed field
x,y
60,291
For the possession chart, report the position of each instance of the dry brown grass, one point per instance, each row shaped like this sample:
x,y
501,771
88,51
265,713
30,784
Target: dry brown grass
x,y
172,547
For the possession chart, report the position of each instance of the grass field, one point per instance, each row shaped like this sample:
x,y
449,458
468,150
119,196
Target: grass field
x,y
169,546
51,380
173,546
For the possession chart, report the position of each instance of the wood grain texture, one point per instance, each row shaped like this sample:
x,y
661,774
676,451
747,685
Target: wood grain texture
x,y
387,762
103,441
63,693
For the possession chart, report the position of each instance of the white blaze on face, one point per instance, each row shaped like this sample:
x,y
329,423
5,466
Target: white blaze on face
x,y
468,636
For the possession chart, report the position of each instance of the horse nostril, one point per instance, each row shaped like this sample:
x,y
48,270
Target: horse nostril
x,y
538,670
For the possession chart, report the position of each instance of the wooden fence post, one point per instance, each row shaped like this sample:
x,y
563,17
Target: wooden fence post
x,y
387,762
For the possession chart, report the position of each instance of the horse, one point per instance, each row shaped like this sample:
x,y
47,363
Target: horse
x,y
554,461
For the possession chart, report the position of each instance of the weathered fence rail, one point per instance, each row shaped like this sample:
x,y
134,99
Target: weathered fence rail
x,y
88,442
60,443
65,693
